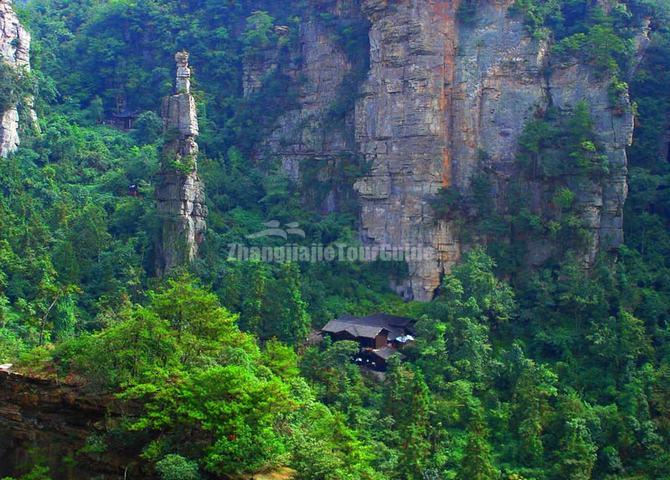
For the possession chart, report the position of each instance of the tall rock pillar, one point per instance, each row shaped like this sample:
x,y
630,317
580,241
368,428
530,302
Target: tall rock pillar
x,y
180,194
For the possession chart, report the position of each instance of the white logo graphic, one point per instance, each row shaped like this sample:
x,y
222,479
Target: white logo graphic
x,y
273,230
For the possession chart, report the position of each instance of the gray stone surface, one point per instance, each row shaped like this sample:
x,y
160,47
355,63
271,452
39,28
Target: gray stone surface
x,y
504,78
602,203
404,130
180,193
306,133
446,99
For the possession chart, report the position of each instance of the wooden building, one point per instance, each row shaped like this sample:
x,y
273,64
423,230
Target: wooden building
x,y
123,120
379,336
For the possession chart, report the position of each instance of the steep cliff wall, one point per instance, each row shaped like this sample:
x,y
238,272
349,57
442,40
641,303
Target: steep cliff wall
x,y
313,141
504,79
302,135
15,52
447,98
404,129
180,193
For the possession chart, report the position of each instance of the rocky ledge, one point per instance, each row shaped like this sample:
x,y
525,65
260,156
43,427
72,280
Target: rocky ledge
x,y
56,424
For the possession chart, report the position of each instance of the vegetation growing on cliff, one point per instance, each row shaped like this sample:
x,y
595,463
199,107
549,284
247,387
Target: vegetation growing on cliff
x,y
558,156
15,86
546,374
601,33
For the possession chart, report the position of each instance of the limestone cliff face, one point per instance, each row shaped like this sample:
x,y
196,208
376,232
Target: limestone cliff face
x,y
445,98
262,64
180,193
14,51
504,78
302,134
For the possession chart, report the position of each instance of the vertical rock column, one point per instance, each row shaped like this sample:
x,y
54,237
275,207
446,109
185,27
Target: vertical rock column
x,y
15,52
180,193
448,98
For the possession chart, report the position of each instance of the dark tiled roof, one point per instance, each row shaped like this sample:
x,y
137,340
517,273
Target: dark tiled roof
x,y
387,320
355,329
370,326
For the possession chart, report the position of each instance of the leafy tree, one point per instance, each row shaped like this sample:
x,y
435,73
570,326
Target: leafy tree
x,y
281,360
578,453
619,340
407,401
270,301
16,86
335,378
96,110
148,128
535,387
285,311
325,448
259,32
201,324
477,462
471,300
494,298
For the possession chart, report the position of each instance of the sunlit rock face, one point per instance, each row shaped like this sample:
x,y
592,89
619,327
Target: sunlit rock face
x,y
404,129
15,52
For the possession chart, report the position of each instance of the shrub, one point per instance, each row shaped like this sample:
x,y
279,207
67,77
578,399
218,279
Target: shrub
x,y
176,467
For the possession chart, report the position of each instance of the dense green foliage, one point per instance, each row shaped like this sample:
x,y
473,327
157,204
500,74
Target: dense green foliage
x,y
546,374
16,85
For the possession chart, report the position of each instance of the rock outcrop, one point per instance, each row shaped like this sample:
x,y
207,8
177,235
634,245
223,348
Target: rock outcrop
x,y
262,64
303,134
180,193
447,97
14,52
76,433
55,421
504,78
